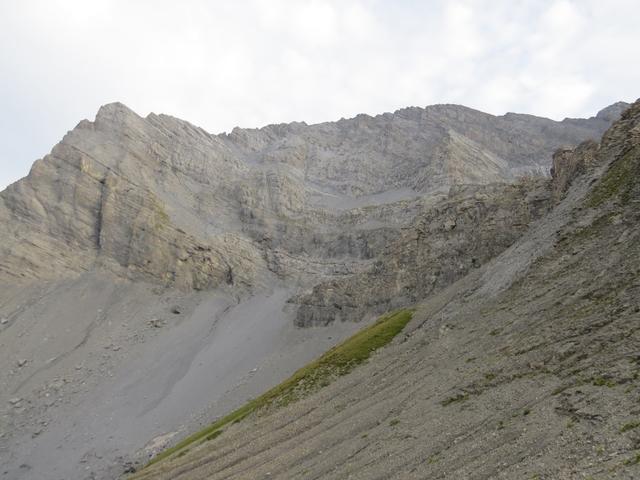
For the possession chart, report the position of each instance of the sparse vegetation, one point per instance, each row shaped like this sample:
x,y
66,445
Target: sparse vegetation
x,y
338,361
618,181
633,460
603,382
459,397
560,389
595,228
629,426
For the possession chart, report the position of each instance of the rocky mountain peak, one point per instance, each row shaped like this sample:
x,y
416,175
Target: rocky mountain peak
x,y
144,197
116,113
613,111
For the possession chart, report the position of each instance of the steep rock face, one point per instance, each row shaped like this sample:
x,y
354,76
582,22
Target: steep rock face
x,y
100,199
445,242
158,199
568,163
418,148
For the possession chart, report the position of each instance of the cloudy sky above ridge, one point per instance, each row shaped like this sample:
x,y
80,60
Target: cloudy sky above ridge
x,y
221,64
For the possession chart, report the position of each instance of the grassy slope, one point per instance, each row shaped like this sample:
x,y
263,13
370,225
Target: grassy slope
x,y
338,361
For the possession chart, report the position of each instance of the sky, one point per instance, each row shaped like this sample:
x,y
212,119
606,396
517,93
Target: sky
x,y
220,64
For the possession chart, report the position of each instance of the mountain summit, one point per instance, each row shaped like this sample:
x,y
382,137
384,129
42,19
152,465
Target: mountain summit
x,y
159,199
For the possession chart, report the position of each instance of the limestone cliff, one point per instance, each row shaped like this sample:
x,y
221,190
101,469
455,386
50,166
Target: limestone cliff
x,y
149,270
159,199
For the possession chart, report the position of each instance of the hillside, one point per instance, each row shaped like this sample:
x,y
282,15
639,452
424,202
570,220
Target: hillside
x,y
527,367
154,277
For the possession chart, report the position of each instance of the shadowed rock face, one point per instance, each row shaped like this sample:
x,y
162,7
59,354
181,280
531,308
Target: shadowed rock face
x,y
443,244
568,163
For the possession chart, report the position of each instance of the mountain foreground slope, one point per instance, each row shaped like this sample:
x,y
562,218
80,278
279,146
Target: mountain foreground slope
x,y
154,277
528,367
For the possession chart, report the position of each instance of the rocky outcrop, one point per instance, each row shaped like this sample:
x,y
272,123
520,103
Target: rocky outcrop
x,y
445,243
568,163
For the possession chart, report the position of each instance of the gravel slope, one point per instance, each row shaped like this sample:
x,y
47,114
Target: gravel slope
x,y
109,366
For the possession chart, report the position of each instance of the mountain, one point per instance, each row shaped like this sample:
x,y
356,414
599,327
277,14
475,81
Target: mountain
x,y
159,199
154,276
527,367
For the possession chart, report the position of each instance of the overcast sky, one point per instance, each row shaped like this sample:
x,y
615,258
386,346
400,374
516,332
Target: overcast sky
x,y
221,64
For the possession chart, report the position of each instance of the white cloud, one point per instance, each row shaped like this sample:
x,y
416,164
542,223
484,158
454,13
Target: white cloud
x,y
251,62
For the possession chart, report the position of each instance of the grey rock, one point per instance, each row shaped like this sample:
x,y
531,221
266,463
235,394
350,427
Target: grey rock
x,y
568,163
156,323
159,199
462,232
527,367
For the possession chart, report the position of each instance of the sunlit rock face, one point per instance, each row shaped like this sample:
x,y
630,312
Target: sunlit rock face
x,y
159,199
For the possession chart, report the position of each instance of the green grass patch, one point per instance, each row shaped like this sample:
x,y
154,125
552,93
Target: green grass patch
x,y
629,426
338,361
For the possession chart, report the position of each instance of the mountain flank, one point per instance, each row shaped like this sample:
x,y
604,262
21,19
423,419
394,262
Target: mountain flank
x,y
527,367
155,277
